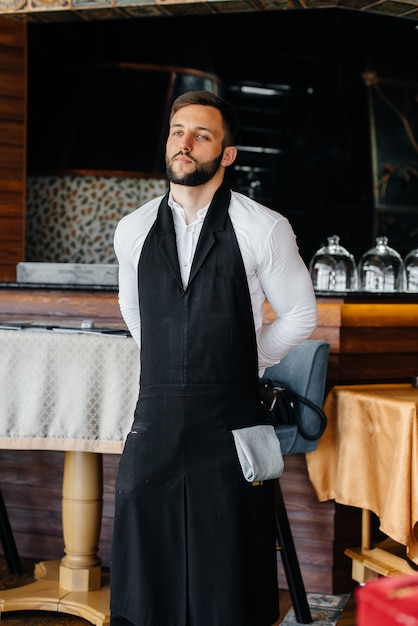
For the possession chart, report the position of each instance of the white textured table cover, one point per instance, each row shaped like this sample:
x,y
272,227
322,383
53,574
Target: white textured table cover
x,y
66,391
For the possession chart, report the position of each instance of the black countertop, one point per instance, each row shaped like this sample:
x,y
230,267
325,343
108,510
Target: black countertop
x,y
352,296
58,286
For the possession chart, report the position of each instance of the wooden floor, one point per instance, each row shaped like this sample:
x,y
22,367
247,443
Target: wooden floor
x,y
348,616
47,618
38,618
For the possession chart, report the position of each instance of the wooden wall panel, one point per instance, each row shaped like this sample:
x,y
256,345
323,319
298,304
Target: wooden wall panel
x,y
11,35
12,134
12,155
11,59
11,228
13,115
12,85
11,109
10,203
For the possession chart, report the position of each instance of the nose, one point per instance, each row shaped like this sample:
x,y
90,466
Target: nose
x,y
186,143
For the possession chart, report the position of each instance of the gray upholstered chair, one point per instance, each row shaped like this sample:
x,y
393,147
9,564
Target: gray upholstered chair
x,y
303,370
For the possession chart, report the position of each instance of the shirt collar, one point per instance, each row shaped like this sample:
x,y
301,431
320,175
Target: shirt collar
x,y
179,211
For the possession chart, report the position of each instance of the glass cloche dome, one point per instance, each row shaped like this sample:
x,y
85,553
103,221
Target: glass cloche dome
x,y
381,269
411,271
333,268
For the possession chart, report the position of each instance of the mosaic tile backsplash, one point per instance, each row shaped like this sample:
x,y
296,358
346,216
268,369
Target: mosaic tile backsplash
x,y
72,219
52,10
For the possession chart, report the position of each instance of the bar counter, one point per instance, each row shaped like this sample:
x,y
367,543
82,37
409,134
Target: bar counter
x,y
373,337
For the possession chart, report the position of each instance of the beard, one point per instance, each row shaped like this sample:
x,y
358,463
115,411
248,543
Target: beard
x,y
202,174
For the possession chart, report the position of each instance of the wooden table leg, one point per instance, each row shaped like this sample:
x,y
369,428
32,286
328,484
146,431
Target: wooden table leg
x,y
365,529
73,585
368,563
82,503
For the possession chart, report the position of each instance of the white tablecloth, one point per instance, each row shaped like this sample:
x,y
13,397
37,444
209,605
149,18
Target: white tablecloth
x,y
66,390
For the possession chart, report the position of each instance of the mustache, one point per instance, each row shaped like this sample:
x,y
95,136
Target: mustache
x,y
189,156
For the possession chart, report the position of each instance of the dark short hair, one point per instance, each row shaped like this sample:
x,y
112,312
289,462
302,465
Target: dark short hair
x,y
206,98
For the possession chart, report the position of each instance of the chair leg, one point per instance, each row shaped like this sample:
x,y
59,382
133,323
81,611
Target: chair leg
x,y
290,560
8,541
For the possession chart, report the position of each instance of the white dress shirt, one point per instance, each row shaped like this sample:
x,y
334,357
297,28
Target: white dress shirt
x,y
275,271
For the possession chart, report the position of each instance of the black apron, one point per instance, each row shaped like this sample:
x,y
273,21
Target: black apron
x,y
194,543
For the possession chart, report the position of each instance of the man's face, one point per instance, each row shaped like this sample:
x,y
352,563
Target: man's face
x,y
194,148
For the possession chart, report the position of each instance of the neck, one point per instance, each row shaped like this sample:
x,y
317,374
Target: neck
x,y
192,199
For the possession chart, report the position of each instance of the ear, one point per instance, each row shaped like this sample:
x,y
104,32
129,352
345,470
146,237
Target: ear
x,y
230,154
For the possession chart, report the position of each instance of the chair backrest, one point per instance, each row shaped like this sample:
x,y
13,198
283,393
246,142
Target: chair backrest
x,y
303,370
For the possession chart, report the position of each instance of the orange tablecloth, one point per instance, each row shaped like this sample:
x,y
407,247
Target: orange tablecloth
x,y
368,456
